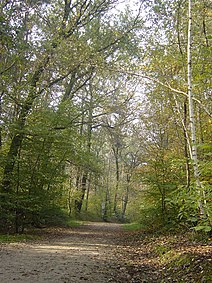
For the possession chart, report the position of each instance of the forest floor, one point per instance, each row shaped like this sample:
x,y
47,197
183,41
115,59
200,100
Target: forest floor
x,y
104,252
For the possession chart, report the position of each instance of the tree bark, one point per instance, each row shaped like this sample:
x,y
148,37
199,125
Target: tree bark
x,y
87,194
1,119
185,134
126,197
194,157
79,200
116,155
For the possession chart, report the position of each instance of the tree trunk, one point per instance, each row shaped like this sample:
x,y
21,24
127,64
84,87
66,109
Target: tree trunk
x,y
194,157
187,145
185,134
79,200
1,119
19,134
116,153
87,194
126,197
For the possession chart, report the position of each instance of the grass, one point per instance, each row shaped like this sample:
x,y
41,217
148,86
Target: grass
x,y
133,226
5,238
73,223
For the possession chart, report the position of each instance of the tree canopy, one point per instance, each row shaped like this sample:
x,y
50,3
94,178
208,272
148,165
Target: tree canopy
x,y
99,106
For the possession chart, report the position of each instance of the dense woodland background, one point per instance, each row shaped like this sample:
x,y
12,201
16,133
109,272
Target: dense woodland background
x,y
95,112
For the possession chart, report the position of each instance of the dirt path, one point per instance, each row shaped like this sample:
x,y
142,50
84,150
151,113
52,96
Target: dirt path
x,y
78,255
104,252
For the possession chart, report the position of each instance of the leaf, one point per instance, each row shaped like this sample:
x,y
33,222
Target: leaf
x,y
205,228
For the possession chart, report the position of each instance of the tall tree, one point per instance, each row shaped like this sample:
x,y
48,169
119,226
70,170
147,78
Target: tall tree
x,y
45,77
191,111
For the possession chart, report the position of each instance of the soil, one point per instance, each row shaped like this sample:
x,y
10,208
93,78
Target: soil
x,y
101,253
83,254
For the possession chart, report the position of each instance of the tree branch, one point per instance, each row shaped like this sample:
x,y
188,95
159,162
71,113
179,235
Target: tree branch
x,y
166,85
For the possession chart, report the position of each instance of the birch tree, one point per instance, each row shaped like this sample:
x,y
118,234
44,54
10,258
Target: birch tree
x,y
175,75
194,156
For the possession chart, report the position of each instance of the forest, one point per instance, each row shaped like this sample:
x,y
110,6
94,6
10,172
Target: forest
x,y
105,113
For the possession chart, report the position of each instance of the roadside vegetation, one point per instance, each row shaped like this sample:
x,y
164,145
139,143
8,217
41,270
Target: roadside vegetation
x,y
105,115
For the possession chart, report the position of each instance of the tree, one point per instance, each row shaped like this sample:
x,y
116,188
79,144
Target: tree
x,y
43,83
171,72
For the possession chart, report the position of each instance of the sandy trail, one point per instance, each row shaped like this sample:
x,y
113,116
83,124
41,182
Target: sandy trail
x,y
78,255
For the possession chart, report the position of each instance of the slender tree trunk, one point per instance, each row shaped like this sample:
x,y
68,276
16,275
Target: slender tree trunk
x,y
106,203
194,157
116,154
89,135
69,203
79,200
187,144
76,201
79,177
87,194
186,153
1,119
126,197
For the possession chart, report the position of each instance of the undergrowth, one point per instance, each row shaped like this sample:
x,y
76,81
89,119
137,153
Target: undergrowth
x,y
182,256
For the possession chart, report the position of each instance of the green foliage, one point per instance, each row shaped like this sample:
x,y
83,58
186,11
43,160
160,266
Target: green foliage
x,y
204,228
185,201
19,212
57,217
66,101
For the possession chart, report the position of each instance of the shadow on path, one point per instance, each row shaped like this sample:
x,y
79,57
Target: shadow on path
x,y
83,254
